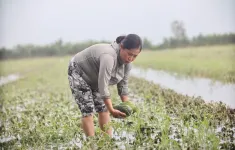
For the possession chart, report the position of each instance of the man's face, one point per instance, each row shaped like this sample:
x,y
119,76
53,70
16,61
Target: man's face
x,y
129,56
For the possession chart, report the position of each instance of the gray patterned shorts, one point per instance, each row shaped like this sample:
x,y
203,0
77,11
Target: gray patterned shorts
x,y
87,99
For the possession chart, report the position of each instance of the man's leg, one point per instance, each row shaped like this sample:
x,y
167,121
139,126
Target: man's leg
x,y
83,97
104,119
102,111
88,125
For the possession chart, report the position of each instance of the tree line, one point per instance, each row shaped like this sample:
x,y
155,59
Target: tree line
x,y
180,39
200,40
59,48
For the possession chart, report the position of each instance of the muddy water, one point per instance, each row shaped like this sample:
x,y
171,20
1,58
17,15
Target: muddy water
x,y
9,78
209,90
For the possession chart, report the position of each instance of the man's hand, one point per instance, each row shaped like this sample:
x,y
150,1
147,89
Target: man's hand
x,y
124,98
117,114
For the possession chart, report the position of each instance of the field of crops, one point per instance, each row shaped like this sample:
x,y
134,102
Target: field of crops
x,y
38,112
215,62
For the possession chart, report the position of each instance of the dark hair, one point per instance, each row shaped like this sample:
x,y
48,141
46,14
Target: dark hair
x,y
131,41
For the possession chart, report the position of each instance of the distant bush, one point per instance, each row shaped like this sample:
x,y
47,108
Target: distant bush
x,y
59,48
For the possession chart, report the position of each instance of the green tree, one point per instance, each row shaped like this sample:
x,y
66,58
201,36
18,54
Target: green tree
x,y
147,44
178,29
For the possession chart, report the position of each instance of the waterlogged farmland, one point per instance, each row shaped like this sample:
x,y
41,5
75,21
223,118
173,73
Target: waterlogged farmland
x,y
214,62
38,112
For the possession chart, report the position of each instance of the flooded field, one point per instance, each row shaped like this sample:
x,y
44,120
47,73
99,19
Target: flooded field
x,y
209,90
9,78
38,112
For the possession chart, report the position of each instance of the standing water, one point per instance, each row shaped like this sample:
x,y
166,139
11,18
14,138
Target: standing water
x,y
209,90
9,78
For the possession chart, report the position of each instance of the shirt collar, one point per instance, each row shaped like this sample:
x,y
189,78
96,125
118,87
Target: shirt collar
x,y
116,47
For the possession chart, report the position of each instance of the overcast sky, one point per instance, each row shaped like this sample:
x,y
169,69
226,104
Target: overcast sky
x,y
44,21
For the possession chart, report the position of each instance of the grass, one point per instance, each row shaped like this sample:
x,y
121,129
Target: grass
x,y
215,62
27,65
40,113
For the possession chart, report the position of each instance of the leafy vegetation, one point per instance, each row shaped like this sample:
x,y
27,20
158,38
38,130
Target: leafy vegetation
x,y
38,112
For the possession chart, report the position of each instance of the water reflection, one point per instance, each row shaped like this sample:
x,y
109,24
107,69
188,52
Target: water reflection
x,y
206,88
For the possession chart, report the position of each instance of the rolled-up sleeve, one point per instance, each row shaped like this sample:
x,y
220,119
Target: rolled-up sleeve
x,y
105,70
122,86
